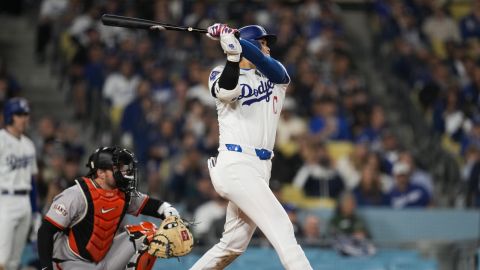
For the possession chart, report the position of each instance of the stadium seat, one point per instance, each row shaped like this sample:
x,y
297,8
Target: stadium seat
x,y
297,197
339,149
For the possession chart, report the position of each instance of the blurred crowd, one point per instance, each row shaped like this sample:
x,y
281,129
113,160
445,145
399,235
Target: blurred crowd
x,y
434,46
148,91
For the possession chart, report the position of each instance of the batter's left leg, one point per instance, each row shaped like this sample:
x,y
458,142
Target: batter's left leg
x,y
237,233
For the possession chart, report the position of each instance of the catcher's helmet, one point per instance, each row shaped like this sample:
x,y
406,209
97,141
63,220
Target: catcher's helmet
x,y
15,106
121,161
256,32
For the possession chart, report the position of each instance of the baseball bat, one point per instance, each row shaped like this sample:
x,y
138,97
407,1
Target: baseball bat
x,y
137,23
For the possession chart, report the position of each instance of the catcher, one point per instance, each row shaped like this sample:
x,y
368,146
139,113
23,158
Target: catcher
x,y
80,229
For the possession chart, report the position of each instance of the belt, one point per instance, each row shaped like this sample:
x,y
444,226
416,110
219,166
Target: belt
x,y
19,192
262,154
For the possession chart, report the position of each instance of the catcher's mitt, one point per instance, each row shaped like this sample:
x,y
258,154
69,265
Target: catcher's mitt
x,y
172,239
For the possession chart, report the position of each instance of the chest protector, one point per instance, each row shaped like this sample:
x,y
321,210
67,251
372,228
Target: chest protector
x,y
92,236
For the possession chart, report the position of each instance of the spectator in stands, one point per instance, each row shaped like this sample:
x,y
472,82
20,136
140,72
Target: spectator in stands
x,y
417,175
470,24
472,137
95,73
327,123
376,125
134,124
440,28
188,167
435,84
472,156
45,131
71,140
369,190
162,90
378,163
290,128
198,76
50,11
291,138
390,147
405,193
194,118
206,215
348,230
9,86
349,166
470,94
70,172
311,230
448,117
317,177
472,176
119,90
345,220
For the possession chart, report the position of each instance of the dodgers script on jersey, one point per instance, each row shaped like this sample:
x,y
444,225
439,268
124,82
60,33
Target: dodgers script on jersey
x,y
17,162
252,118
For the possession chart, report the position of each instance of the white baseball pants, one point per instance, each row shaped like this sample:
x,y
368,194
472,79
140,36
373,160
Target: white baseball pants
x,y
243,180
15,221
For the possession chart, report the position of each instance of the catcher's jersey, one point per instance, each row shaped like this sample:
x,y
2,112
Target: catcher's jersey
x,y
252,118
69,207
17,162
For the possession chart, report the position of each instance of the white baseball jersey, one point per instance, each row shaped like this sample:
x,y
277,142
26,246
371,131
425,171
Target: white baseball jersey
x,y
17,162
252,118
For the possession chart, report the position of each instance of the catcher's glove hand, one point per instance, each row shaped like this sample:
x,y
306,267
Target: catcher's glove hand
x,y
172,239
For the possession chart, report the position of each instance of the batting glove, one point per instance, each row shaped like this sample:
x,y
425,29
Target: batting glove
x,y
230,44
214,31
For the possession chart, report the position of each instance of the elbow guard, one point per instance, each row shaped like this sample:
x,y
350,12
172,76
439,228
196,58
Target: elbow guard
x,y
225,95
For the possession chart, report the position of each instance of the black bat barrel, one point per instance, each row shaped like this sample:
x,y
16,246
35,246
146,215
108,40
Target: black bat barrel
x,y
137,23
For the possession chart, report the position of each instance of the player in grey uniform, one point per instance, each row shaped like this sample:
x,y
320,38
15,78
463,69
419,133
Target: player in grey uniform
x,y
81,228
249,91
17,167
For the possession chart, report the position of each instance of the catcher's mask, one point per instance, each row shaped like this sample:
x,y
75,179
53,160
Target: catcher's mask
x,y
121,162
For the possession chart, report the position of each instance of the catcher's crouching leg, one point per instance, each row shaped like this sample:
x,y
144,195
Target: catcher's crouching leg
x,y
141,235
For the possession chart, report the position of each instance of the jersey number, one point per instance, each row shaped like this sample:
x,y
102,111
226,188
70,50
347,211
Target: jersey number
x,y
274,103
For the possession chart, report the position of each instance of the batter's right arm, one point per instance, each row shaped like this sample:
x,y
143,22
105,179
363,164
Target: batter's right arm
x,y
270,67
226,87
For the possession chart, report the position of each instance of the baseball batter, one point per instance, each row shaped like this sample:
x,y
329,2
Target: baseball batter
x,y
80,229
17,167
249,91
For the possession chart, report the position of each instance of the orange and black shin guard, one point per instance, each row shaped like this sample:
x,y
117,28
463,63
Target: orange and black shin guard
x,y
145,261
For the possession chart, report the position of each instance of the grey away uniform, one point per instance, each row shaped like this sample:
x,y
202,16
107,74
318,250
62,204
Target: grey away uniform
x,y
67,210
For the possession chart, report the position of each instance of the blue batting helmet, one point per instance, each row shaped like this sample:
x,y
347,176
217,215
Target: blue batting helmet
x,y
15,106
256,32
